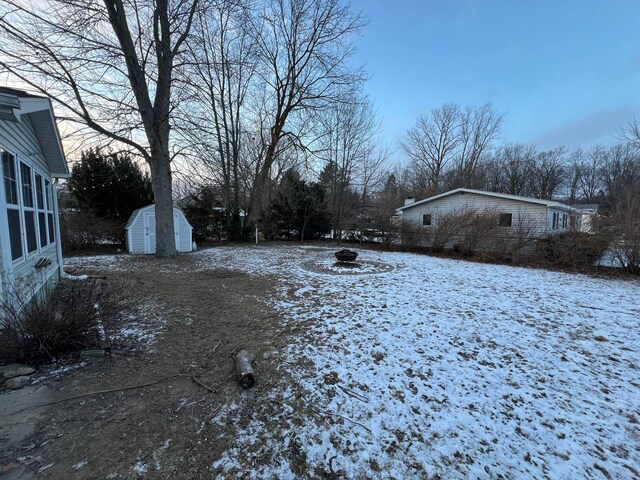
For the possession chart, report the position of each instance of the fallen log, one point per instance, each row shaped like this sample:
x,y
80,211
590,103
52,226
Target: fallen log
x,y
244,368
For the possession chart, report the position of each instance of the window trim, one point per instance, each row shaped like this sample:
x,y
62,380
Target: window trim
x,y
16,207
50,212
41,209
27,189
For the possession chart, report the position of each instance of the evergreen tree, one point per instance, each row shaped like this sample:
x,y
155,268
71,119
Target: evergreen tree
x,y
109,185
298,206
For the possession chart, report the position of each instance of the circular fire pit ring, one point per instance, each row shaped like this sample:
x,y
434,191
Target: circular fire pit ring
x,y
329,266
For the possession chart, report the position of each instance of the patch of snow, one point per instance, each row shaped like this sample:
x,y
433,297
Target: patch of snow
x,y
449,368
80,465
58,372
140,468
136,331
68,276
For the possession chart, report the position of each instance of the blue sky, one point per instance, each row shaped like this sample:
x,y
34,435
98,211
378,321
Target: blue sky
x,y
564,72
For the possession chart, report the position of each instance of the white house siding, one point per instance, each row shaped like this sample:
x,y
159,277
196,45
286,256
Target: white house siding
x,y
538,216
20,276
20,138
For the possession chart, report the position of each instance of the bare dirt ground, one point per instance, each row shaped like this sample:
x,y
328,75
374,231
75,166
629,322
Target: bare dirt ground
x,y
405,367
169,429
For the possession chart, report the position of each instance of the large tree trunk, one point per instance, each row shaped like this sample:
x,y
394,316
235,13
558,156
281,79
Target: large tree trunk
x,y
163,193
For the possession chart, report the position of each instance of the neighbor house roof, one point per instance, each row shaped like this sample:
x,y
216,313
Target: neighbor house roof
x,y
14,103
505,196
586,207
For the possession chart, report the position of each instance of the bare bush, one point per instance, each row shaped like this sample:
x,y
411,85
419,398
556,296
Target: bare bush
x,y
517,241
83,231
410,234
624,225
74,317
447,226
576,250
477,226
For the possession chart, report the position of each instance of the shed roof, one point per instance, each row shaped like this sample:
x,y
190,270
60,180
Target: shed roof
x,y
135,213
505,196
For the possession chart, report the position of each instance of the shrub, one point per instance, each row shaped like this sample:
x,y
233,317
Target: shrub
x,y
477,227
73,318
573,249
84,231
626,250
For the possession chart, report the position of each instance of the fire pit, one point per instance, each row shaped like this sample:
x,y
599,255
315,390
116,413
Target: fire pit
x,y
346,256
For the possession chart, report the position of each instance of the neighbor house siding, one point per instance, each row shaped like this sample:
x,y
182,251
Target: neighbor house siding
x,y
533,218
458,202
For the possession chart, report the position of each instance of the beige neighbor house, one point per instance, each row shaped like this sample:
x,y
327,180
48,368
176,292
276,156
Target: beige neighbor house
x,y
32,157
475,220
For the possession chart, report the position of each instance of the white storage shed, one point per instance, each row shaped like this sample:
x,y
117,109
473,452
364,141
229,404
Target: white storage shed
x,y
141,231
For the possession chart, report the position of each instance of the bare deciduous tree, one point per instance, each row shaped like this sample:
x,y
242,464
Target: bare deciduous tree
x,y
110,66
351,147
479,127
216,125
304,46
548,173
590,182
432,143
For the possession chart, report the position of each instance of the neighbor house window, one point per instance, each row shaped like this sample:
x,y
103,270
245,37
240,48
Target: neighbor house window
x,y
555,221
28,208
505,219
13,208
426,219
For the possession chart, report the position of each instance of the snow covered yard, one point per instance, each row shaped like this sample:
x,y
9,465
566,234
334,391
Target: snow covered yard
x,y
455,369
419,367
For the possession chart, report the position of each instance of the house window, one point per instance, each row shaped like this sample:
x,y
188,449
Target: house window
x,y
505,219
42,211
13,208
426,219
28,208
49,197
555,221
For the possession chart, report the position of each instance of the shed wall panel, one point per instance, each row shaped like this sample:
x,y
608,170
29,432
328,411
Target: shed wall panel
x,y
184,244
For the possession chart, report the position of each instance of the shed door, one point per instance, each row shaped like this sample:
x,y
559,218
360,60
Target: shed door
x,y
150,232
176,229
